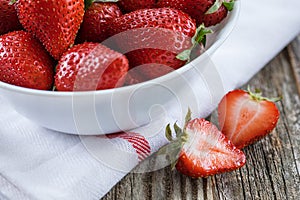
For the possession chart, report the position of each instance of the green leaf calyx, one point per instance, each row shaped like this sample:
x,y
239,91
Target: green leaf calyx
x,y
198,39
173,149
257,96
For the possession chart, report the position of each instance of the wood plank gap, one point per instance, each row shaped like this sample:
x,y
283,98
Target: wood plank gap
x,y
205,195
242,182
283,178
289,138
295,66
131,185
269,174
248,175
218,191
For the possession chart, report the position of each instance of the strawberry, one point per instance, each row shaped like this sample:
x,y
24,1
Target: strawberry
x,y
154,38
201,10
245,117
55,23
215,17
90,66
96,21
24,61
202,149
132,5
8,17
134,77
145,73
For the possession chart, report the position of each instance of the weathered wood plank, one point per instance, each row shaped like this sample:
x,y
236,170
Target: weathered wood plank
x,y
272,169
294,54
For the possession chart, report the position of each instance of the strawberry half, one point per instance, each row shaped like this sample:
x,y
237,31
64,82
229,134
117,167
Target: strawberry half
x,y
132,5
90,66
96,22
245,117
24,61
55,23
203,150
8,17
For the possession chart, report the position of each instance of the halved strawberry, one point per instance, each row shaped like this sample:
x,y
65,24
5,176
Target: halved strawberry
x,y
90,66
204,150
245,117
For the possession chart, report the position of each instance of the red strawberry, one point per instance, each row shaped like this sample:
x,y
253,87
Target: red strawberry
x,y
204,150
96,21
55,23
132,5
145,73
201,10
154,36
245,117
8,17
90,66
215,17
24,61
134,77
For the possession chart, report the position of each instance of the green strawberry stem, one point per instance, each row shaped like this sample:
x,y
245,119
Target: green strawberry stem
x,y
214,7
173,149
88,3
218,3
257,96
199,38
229,5
12,2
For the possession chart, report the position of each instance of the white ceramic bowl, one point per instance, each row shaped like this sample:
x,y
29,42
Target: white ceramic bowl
x,y
114,110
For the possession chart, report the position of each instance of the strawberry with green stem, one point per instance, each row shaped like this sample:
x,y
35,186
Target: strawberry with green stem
x,y
201,150
152,39
246,116
209,12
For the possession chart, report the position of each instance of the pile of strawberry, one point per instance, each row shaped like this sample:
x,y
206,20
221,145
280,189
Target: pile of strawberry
x,y
49,44
199,149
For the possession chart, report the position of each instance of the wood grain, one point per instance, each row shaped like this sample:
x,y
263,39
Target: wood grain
x,y
273,164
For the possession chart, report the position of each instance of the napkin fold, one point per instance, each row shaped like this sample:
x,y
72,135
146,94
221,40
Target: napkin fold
x,y
37,163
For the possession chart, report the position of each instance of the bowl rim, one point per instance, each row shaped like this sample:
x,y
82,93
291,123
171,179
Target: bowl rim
x,y
225,33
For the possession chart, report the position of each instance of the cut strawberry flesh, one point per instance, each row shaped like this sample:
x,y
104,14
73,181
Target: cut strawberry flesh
x,y
244,120
208,151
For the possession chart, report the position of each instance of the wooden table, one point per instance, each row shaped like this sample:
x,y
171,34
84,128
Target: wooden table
x,y
273,164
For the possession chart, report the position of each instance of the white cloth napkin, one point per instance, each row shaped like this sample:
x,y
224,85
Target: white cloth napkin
x,y
36,163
